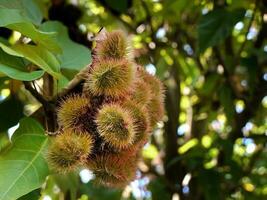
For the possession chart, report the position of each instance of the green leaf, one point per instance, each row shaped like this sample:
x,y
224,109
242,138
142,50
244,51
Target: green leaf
x,y
216,26
44,39
159,190
173,9
120,5
14,68
68,182
23,168
62,82
226,99
33,195
252,67
28,8
162,67
13,112
210,182
74,56
37,55
100,193
210,84
189,69
12,19
49,189
11,16
20,75
4,141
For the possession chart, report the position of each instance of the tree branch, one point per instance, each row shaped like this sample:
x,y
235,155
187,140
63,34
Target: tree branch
x,y
36,94
247,32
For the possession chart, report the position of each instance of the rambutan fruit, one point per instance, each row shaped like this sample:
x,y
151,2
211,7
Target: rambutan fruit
x,y
155,106
115,125
108,180
141,121
71,109
111,78
113,170
141,93
155,109
68,150
155,85
112,45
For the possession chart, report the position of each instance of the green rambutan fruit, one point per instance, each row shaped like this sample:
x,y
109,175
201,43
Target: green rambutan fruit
x,y
111,78
141,121
71,109
69,150
113,170
112,45
115,125
141,93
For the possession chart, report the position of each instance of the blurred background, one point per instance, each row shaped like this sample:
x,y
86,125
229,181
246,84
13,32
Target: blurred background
x,y
212,58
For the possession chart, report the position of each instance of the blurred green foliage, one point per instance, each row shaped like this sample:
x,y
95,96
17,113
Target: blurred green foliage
x,y
212,58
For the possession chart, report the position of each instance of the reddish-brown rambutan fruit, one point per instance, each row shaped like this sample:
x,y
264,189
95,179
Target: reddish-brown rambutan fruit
x,y
155,106
108,180
68,150
141,93
155,85
71,109
155,109
115,125
105,127
112,45
113,170
111,77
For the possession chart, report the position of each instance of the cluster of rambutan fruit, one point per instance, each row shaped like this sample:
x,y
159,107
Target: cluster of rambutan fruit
x,y
105,126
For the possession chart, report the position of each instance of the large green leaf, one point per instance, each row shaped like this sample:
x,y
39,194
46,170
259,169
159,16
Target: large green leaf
x,y
216,26
14,68
28,8
37,55
13,19
4,142
74,56
11,16
23,167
